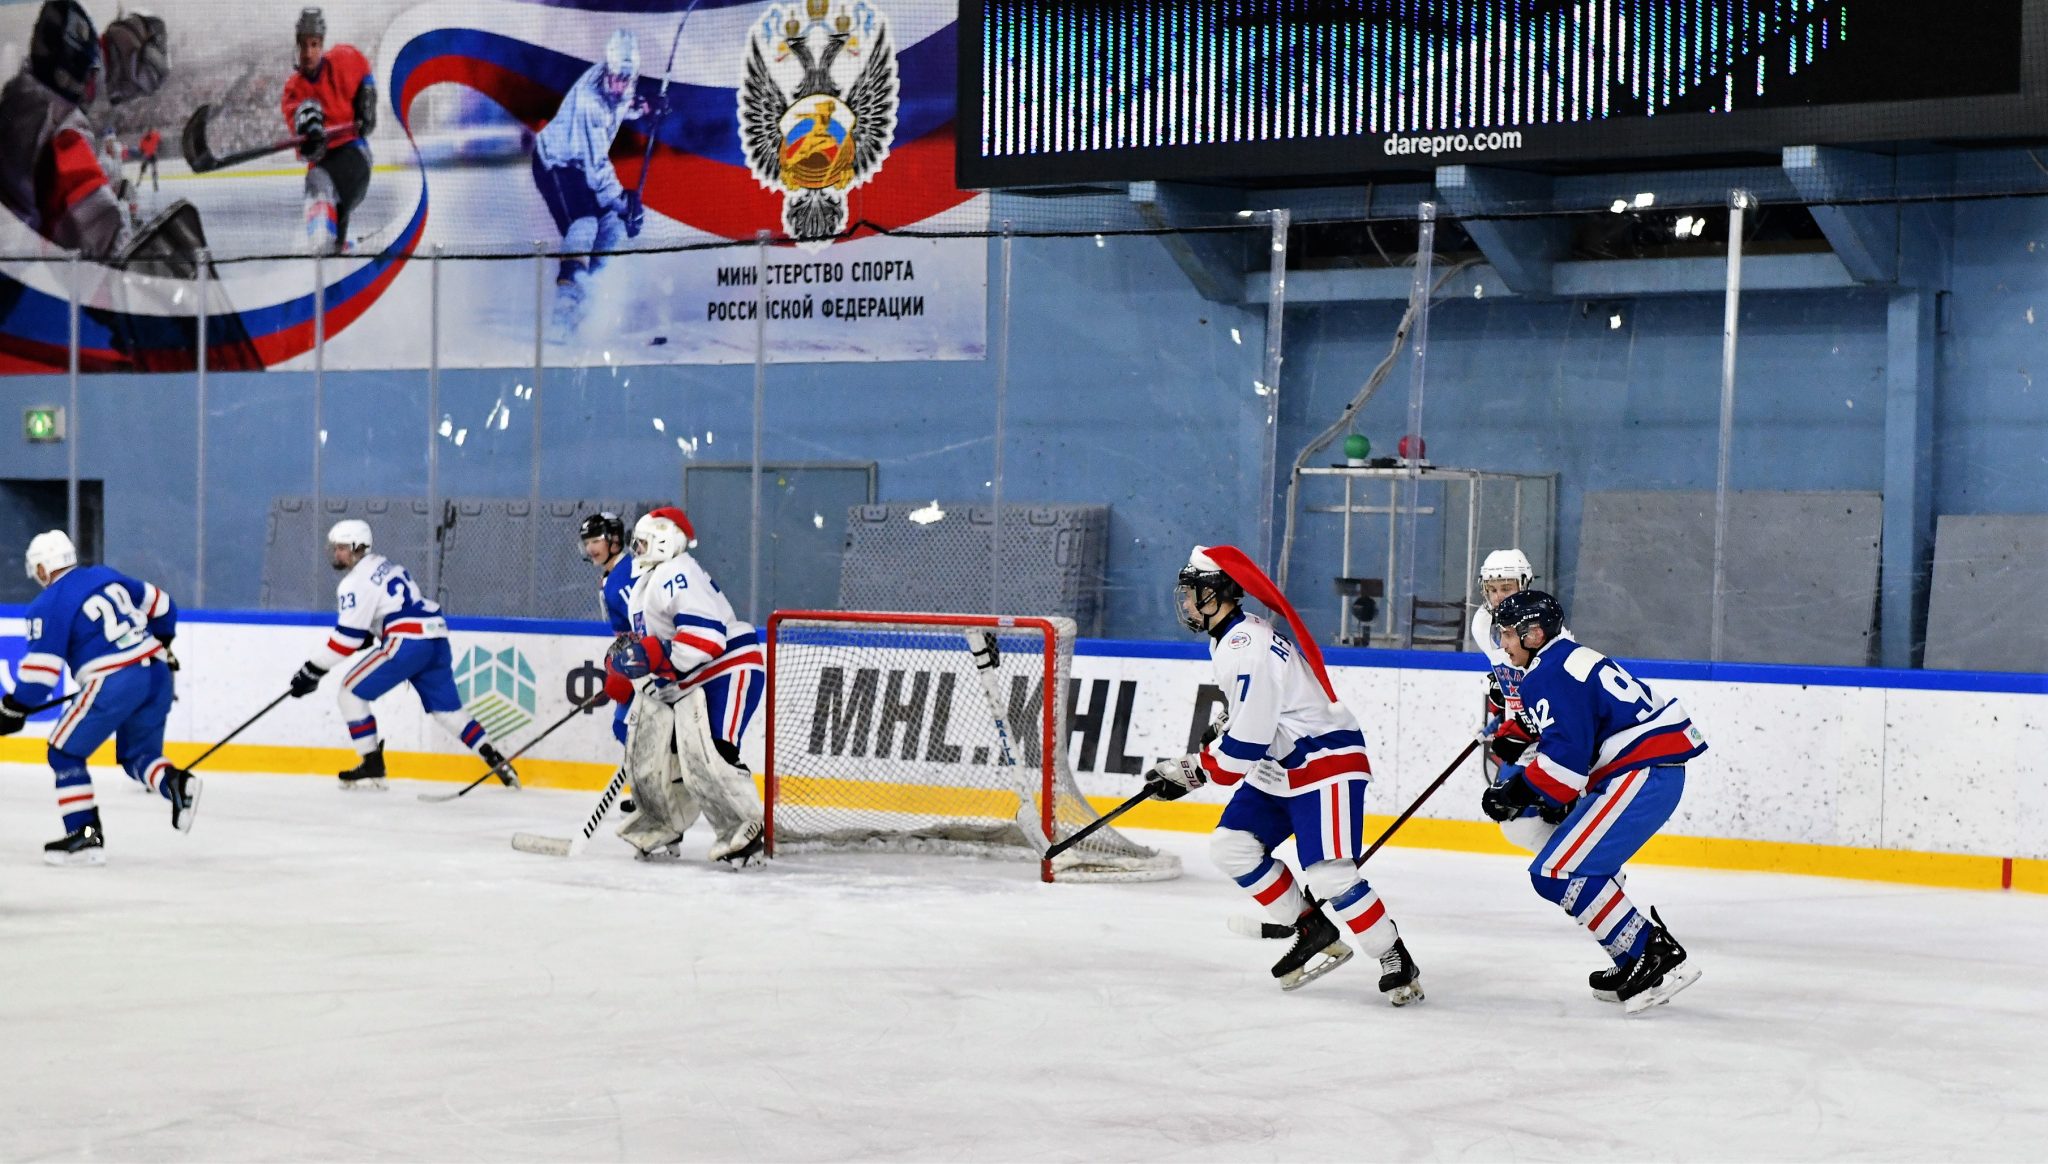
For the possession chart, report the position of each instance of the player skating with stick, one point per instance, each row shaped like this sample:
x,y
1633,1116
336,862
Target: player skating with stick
x,y
330,88
1298,758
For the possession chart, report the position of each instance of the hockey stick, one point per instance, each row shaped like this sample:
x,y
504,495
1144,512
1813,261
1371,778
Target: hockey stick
x,y
661,104
1258,928
1088,829
557,847
493,770
203,160
238,731
987,657
58,702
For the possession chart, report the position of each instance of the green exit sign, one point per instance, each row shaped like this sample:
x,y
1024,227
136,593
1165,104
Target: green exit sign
x,y
43,423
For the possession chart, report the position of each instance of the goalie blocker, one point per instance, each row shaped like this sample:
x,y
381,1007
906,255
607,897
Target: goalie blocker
x,y
884,735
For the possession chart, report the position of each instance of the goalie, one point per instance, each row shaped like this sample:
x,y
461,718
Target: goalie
x,y
1301,759
698,670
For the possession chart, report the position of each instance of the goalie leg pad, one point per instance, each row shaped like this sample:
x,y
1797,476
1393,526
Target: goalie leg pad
x,y
665,808
724,790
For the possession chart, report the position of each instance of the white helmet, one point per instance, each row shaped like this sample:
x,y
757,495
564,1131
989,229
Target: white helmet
x,y
1507,566
351,532
53,551
660,535
622,55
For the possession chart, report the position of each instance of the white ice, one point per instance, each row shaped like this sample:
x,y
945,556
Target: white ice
x,y
319,975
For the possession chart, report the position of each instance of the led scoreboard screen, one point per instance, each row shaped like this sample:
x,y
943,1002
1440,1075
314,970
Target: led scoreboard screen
x,y
1054,91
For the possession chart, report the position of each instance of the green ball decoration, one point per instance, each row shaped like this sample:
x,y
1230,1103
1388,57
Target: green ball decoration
x,y
1357,448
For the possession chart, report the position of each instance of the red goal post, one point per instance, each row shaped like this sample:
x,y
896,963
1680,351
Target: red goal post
x,y
883,734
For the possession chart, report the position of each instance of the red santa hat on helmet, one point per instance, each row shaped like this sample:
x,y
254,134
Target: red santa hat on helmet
x,y
1239,568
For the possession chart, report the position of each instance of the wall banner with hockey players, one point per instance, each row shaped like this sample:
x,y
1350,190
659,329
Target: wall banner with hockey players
x,y
598,172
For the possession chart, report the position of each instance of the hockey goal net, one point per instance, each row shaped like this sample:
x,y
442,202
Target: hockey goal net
x,y
885,734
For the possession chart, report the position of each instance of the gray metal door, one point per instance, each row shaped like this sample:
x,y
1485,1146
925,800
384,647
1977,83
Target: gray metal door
x,y
803,528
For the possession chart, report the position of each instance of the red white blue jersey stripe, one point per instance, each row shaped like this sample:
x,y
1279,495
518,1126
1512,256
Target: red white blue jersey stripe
x,y
1596,721
1285,735
93,620
377,598
687,627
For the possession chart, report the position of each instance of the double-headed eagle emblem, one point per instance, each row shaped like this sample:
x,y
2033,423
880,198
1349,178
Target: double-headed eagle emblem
x,y
823,136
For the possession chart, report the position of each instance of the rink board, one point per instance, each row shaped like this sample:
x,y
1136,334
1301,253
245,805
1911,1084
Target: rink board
x,y
1922,777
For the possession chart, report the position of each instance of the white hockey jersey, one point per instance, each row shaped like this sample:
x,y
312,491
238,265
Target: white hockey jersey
x,y
1285,735
689,629
377,599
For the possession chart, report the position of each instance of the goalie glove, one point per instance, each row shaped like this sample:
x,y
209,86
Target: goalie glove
x,y
1175,777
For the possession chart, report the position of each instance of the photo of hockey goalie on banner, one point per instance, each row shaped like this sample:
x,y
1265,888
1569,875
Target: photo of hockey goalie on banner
x,y
638,186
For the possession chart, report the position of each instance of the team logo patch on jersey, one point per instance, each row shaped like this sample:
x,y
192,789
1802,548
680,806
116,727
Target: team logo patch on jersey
x,y
496,689
1238,639
817,106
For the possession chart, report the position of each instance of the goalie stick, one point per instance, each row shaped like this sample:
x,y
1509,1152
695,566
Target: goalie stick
x,y
558,847
445,797
1259,928
987,657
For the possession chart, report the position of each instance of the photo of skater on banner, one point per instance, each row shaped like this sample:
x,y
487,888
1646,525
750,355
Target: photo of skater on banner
x,y
687,181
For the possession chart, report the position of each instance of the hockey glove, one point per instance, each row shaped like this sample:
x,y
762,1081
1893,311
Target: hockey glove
x,y
1509,798
309,121
1175,777
634,216
365,108
1510,740
1215,730
12,715
306,679
628,657
1555,812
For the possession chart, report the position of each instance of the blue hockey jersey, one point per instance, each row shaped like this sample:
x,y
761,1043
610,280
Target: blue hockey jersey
x,y
614,592
1594,721
93,619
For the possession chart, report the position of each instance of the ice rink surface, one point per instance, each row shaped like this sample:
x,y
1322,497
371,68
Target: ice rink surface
x,y
319,975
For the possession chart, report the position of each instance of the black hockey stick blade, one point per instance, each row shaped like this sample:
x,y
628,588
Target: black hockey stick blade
x,y
203,160
1090,828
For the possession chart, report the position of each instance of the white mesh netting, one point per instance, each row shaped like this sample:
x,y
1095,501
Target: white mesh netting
x,y
882,736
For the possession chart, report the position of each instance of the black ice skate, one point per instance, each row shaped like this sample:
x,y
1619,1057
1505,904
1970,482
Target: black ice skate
x,y
1317,950
742,848
499,764
368,774
1606,982
82,846
184,789
1400,978
1658,973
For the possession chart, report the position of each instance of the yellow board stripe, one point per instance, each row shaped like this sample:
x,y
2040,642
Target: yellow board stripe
x,y
1905,867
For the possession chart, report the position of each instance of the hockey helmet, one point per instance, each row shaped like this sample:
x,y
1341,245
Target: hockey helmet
x,y
605,524
64,50
660,535
53,551
312,22
622,54
350,532
1201,584
1526,608
1507,566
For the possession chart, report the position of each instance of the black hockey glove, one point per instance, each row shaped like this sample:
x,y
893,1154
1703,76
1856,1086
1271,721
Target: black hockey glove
x,y
309,121
1510,740
634,216
365,108
306,679
12,715
1215,731
1175,777
1508,799
1555,813
170,660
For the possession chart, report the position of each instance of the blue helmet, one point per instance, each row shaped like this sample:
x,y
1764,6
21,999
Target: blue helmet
x,y
1526,608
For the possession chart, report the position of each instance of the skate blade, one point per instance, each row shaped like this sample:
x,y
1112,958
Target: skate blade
x,y
1315,970
1403,995
184,819
1607,996
1675,980
84,859
376,784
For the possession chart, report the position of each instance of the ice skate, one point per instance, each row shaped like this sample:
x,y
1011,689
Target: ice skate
x,y
1317,950
651,837
499,764
368,774
1400,978
742,848
1606,982
184,790
82,846
1658,974
570,307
